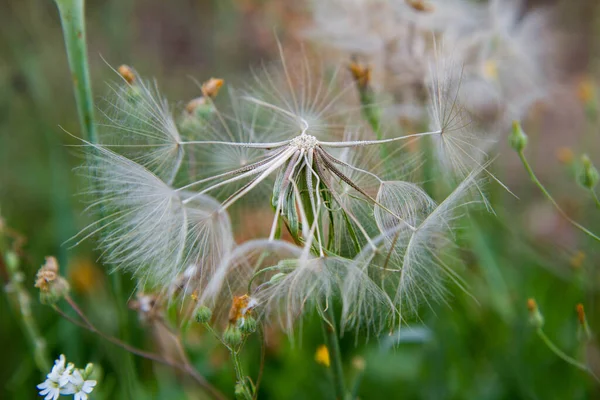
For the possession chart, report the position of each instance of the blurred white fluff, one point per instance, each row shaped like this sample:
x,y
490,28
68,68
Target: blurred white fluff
x,y
508,52
145,228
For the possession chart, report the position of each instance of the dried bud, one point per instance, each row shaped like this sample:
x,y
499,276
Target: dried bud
x,y
361,74
564,155
241,306
47,274
420,5
203,314
517,138
577,260
146,306
232,336
535,316
588,175
127,73
52,286
580,313
584,329
211,87
197,111
586,90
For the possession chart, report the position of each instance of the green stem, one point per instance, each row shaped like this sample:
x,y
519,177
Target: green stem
x,y
370,111
240,375
563,355
73,24
551,199
595,196
23,300
331,338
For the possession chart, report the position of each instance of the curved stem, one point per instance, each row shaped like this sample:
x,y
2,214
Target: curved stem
x,y
562,355
186,367
551,199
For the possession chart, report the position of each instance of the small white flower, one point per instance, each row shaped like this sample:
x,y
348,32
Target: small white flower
x,y
50,389
57,379
78,386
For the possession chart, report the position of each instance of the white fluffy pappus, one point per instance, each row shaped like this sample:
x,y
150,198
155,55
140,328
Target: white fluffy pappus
x,y
407,264
146,227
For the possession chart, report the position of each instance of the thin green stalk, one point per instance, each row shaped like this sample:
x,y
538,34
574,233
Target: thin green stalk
x,y
563,355
73,25
551,199
370,111
595,196
331,338
23,300
240,376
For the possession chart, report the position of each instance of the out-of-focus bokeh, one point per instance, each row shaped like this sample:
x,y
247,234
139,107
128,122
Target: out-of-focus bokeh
x,y
474,347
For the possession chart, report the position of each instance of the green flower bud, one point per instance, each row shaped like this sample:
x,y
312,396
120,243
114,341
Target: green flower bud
x,y
203,314
588,175
241,392
12,260
276,278
87,372
536,319
517,138
247,325
232,336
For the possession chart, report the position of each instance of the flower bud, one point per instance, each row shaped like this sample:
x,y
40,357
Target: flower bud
x,y
87,372
241,392
276,278
127,73
52,286
517,138
584,332
588,175
203,314
536,319
247,325
232,336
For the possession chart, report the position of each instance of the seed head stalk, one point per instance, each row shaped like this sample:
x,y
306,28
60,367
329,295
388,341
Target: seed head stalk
x,y
73,25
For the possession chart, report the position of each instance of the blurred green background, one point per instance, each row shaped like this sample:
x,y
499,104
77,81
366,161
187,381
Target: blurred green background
x,y
482,348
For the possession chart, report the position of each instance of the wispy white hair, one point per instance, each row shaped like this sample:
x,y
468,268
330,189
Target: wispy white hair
x,y
146,228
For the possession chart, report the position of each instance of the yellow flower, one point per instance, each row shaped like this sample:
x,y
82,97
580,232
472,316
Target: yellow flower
x,y
586,90
322,356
